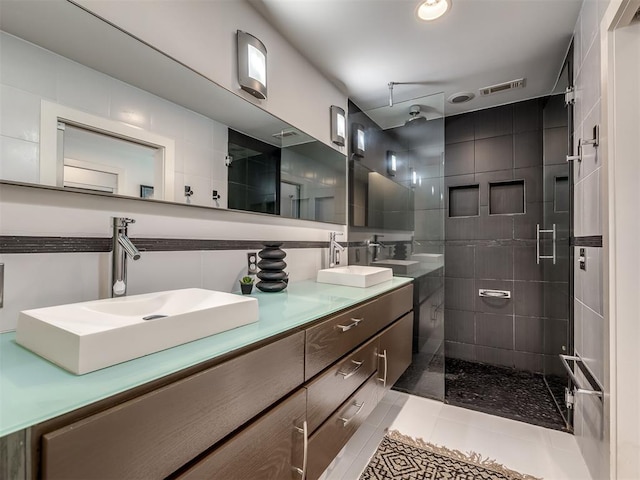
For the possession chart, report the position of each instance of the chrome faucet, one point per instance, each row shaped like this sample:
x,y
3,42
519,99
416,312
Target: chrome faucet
x,y
376,244
334,249
122,248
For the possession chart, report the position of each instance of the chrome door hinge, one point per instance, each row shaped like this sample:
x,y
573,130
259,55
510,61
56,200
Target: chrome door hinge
x,y
569,398
569,96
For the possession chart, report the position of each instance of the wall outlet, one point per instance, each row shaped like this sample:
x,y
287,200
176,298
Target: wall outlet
x,y
252,263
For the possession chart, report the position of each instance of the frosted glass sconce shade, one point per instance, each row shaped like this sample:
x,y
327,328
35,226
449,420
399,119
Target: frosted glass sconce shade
x,y
392,163
252,65
358,137
338,125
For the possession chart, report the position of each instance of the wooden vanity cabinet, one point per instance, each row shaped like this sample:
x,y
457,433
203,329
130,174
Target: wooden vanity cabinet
x,y
329,439
272,447
329,390
248,417
328,341
153,435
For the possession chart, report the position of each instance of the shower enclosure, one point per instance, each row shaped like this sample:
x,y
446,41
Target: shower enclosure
x,y
476,209
397,210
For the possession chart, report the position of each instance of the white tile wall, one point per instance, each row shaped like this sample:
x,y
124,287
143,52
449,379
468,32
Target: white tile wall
x,y
590,328
37,280
33,281
19,114
19,160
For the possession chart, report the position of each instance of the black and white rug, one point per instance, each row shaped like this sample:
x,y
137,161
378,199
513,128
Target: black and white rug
x,y
399,457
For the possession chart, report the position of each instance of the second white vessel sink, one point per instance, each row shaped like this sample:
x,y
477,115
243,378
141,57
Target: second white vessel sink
x,y
87,336
355,276
401,267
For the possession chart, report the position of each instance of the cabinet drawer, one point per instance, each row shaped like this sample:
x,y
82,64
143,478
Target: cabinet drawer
x,y
333,387
270,448
329,439
153,435
335,337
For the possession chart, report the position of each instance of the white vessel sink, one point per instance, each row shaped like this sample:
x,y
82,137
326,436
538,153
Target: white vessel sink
x,y
401,267
355,276
87,336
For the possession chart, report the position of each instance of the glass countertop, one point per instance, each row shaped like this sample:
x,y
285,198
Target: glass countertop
x,y
33,390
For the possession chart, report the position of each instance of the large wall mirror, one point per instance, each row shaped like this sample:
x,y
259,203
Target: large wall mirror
x,y
87,107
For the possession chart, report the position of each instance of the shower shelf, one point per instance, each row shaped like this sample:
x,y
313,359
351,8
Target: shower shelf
x,y
595,389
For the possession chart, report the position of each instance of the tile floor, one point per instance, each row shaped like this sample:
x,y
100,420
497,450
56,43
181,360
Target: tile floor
x,y
538,451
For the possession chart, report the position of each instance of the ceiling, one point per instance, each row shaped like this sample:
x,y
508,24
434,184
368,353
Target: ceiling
x,y
362,45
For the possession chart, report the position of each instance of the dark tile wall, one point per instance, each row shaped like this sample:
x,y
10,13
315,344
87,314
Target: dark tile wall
x,y
515,156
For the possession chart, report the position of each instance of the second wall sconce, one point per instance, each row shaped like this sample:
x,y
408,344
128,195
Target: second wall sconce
x,y
358,139
338,125
392,163
252,65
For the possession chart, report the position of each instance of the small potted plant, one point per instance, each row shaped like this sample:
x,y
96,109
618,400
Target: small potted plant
x,y
246,285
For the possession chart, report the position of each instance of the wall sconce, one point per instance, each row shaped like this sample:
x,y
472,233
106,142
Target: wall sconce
x,y
252,65
338,125
358,139
414,177
392,163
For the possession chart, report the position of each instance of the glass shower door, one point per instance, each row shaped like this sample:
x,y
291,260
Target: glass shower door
x,y
417,129
555,243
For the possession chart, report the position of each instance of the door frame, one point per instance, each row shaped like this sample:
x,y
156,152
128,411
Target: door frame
x,y
620,128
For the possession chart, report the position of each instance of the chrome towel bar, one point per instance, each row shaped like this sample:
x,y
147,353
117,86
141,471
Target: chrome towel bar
x,y
484,292
595,389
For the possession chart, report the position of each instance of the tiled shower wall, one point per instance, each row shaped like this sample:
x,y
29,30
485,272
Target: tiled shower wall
x,y
591,328
505,147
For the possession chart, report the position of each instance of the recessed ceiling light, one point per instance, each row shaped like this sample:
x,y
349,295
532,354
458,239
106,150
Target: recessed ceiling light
x,y
432,9
461,97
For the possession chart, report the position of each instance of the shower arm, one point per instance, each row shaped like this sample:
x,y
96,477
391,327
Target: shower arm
x,y
391,84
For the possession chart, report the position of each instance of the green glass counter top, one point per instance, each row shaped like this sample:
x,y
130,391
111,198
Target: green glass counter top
x,y
33,390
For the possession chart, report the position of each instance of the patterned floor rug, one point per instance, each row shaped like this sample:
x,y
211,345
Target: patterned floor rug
x,y
403,458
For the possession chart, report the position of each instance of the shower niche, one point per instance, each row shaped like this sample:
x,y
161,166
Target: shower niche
x,y
506,198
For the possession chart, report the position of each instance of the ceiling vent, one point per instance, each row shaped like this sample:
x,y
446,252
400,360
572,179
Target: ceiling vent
x,y
503,87
461,97
285,134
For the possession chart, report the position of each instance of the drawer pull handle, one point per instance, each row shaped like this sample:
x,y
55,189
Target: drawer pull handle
x,y
305,450
352,372
346,421
354,323
386,368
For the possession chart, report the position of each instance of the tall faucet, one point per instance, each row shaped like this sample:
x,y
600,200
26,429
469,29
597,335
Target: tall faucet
x,y
376,244
334,249
122,248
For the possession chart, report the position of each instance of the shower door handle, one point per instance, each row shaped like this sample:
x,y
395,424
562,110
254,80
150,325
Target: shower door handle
x,y
538,232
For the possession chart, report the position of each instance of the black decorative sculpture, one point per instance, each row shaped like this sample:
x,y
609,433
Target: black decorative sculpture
x,y
272,276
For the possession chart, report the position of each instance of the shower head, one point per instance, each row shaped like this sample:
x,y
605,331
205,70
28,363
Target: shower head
x,y
415,115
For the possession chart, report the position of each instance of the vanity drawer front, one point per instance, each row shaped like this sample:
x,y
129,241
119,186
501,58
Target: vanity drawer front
x,y
153,435
335,337
327,442
270,448
333,387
